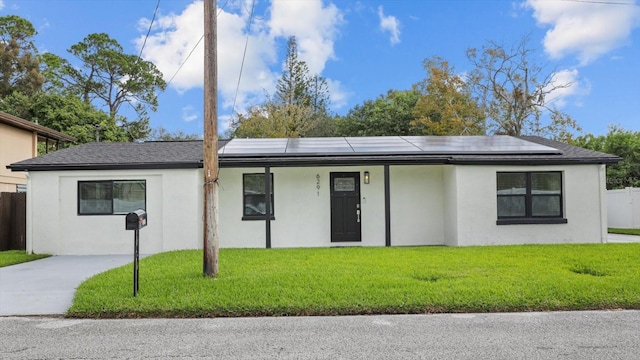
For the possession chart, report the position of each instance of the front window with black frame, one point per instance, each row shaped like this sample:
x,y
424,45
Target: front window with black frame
x,y
529,198
111,197
254,200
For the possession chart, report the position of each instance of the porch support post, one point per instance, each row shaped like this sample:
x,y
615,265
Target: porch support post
x,y
267,204
387,207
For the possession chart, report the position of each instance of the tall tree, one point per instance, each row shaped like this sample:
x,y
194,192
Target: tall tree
x,y
322,124
299,107
387,115
162,134
516,92
445,106
623,143
297,86
65,113
19,65
109,79
273,120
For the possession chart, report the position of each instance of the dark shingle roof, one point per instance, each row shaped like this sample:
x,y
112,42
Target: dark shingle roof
x,y
103,156
569,155
188,154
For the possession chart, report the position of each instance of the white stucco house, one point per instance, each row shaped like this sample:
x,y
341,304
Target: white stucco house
x,y
375,191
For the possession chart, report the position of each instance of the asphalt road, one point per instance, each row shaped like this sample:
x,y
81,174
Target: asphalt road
x,y
557,335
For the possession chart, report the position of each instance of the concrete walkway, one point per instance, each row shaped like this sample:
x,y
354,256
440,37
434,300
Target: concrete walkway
x,y
619,238
47,286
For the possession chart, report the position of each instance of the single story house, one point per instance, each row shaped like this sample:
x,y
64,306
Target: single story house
x,y
319,192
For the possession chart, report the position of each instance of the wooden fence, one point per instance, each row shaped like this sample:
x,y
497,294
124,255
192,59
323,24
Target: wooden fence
x,y
13,221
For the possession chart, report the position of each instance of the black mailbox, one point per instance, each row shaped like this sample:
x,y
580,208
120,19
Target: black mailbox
x,y
136,220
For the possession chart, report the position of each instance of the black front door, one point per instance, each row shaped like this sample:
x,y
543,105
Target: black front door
x,y
345,207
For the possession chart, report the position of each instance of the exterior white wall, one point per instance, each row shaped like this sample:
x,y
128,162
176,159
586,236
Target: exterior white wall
x,y
623,208
477,208
417,205
302,211
233,231
450,205
173,206
430,205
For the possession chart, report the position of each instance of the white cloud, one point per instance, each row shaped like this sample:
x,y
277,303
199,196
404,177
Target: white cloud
x,y
390,24
174,36
338,94
1,4
569,86
314,25
587,29
189,113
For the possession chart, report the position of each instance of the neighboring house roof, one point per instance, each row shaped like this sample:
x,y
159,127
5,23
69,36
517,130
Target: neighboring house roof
x,y
526,150
42,131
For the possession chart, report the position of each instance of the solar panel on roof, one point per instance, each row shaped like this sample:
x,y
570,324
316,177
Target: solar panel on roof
x,y
317,146
478,145
255,147
382,145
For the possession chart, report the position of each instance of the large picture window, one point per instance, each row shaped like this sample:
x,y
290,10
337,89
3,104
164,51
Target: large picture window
x,y
529,197
254,199
111,197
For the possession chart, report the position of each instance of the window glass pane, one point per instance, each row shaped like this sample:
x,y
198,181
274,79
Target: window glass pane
x,y
344,184
254,184
511,183
254,204
129,196
546,183
95,197
254,197
542,205
511,206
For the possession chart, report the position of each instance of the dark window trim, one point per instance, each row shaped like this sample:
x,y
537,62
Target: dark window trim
x,y
529,218
257,216
536,220
111,182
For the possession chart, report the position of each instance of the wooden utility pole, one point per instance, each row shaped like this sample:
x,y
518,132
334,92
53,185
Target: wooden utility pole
x,y
210,246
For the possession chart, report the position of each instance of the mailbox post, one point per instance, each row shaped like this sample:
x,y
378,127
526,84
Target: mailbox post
x,y
135,221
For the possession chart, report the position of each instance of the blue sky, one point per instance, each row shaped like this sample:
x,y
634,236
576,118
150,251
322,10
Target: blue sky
x,y
363,48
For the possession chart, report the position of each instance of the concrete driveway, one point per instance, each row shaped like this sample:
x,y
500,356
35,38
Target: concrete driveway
x,y
47,286
620,238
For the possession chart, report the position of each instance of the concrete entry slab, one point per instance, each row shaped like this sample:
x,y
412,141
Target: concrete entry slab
x,y
47,286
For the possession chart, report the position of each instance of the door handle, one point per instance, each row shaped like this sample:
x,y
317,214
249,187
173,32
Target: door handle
x,y
358,215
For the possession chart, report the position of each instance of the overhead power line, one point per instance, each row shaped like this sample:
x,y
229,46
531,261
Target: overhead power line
x,y
155,12
244,54
193,49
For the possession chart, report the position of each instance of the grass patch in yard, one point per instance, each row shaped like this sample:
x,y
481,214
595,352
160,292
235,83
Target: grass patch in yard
x,y
12,257
624,231
340,281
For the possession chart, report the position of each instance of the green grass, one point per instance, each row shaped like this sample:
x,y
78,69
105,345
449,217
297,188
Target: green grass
x,y
624,231
12,257
340,281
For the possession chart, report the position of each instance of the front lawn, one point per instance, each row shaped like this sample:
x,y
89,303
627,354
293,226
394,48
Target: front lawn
x,y
336,281
624,231
12,257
